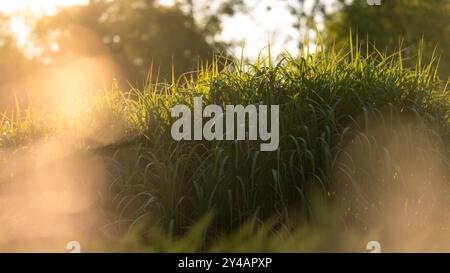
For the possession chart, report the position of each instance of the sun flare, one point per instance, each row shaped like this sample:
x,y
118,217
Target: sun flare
x,y
37,8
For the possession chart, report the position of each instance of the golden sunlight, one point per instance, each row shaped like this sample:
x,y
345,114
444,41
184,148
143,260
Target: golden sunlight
x,y
38,7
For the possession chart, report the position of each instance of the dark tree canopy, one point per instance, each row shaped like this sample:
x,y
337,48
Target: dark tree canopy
x,y
139,34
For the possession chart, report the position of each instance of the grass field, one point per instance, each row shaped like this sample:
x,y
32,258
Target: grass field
x,y
364,155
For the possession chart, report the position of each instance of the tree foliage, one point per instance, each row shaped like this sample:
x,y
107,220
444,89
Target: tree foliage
x,y
395,23
139,34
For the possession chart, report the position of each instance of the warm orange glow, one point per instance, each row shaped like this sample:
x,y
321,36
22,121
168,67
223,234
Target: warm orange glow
x,y
38,7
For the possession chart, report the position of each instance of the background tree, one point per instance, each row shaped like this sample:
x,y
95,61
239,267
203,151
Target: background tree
x,y
396,22
137,33
13,62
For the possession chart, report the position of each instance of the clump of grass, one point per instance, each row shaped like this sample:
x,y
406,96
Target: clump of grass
x,y
326,99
